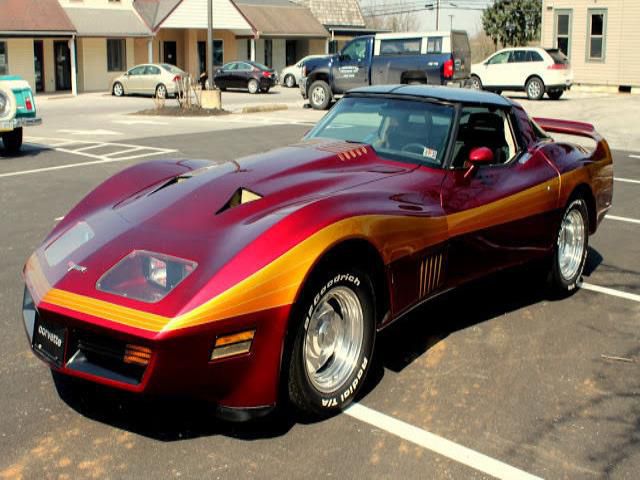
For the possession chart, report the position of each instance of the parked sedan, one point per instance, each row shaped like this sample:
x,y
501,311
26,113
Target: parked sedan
x,y
268,277
246,74
534,70
157,79
292,74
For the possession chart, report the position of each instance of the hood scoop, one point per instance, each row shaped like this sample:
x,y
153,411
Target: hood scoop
x,y
239,197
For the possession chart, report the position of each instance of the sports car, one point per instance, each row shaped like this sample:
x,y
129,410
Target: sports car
x,y
267,279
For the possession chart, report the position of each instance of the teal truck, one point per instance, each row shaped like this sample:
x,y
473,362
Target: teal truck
x,y
17,110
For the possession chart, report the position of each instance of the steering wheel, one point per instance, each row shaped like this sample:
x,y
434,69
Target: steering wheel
x,y
415,147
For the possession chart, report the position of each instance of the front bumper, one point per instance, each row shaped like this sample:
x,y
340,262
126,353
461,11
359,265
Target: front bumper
x,y
303,87
8,125
180,361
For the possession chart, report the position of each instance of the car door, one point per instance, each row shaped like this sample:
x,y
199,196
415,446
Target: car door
x,y
351,70
243,74
152,77
223,77
495,69
502,213
135,79
519,68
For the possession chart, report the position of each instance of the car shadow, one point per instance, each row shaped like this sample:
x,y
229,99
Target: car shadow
x,y
175,419
27,150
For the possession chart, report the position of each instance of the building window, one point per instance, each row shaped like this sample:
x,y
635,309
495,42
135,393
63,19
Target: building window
x,y
249,49
562,26
116,55
4,60
596,31
218,52
268,53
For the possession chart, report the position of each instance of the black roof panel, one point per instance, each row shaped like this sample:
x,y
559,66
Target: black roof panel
x,y
448,94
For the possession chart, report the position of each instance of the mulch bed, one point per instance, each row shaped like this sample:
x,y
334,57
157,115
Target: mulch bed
x,y
182,112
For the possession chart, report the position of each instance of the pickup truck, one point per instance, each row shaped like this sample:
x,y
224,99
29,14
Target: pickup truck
x,y
434,58
17,110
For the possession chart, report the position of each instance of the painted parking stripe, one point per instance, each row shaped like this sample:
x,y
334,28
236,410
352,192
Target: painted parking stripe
x,y
622,219
438,444
626,180
634,156
610,291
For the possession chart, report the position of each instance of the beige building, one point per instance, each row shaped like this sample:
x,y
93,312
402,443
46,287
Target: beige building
x,y
36,37
600,37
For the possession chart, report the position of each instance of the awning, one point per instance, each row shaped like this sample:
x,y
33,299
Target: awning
x,y
102,22
283,21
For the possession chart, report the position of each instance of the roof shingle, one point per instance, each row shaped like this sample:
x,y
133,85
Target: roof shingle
x,y
33,16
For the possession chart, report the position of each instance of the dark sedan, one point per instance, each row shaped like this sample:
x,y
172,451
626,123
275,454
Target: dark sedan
x,y
252,76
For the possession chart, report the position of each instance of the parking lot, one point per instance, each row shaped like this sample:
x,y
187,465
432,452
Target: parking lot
x,y
492,380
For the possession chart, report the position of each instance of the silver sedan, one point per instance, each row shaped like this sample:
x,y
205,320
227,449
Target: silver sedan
x,y
157,79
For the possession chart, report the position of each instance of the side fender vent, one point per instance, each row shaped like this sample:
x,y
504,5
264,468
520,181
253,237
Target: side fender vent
x,y
430,275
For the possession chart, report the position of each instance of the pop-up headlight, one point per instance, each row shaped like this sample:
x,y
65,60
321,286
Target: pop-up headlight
x,y
146,276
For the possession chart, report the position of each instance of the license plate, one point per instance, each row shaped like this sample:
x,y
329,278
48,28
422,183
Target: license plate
x,y
49,341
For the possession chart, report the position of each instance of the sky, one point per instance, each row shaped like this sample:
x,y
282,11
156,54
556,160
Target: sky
x,y
463,19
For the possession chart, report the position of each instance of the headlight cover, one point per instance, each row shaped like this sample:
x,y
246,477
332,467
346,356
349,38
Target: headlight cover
x,y
145,276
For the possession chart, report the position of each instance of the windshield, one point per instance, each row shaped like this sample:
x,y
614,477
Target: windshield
x,y
405,130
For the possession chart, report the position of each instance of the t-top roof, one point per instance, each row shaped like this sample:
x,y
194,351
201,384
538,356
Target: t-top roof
x,y
447,94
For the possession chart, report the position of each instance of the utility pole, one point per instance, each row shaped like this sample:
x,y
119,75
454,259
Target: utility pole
x,y
437,14
209,48
451,21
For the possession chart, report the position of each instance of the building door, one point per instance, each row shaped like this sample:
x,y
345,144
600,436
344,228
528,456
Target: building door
x,y
291,53
62,60
38,64
170,53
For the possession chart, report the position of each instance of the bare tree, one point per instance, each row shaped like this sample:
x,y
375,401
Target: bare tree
x,y
395,22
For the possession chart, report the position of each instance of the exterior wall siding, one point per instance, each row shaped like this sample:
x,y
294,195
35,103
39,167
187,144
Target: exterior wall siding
x,y
93,75
192,14
20,53
621,64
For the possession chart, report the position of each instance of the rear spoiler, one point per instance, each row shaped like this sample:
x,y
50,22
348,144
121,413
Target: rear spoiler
x,y
568,127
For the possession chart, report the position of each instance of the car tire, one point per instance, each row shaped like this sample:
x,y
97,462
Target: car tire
x,y
290,81
570,249
117,90
320,95
265,90
334,333
534,88
253,86
12,141
161,91
476,83
555,94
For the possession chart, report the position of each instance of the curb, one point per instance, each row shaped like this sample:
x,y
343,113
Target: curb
x,y
270,107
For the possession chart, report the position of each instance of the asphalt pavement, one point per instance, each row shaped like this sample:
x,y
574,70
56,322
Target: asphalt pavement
x,y
549,388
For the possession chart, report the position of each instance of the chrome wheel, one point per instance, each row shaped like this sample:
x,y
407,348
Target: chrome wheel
x,y
535,89
318,95
253,86
475,83
118,91
571,244
334,339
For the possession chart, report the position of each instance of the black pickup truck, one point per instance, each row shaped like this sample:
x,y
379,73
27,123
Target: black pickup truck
x,y
434,58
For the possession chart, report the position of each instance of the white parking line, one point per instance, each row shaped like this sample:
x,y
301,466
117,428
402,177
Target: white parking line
x,y
634,156
440,445
611,291
626,180
622,219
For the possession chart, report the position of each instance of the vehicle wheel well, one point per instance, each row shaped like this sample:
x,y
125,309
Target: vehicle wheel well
x,y
361,253
318,76
413,76
533,76
584,191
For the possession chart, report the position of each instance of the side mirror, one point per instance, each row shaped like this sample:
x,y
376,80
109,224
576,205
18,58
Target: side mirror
x,y
477,157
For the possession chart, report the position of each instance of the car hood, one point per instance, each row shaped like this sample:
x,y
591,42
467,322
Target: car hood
x,y
210,214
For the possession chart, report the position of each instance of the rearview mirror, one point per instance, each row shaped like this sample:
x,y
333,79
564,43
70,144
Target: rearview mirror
x,y
477,157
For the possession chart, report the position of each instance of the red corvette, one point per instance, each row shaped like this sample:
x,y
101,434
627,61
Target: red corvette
x,y
267,278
